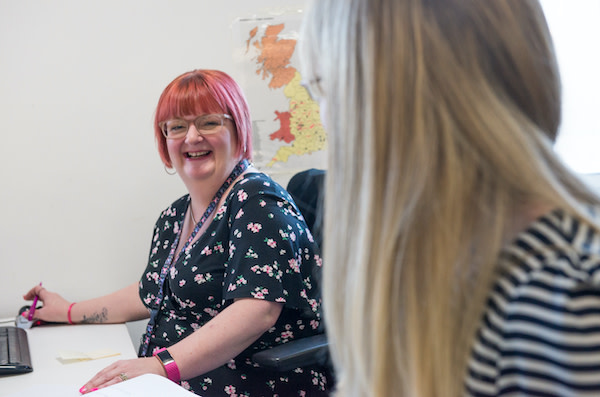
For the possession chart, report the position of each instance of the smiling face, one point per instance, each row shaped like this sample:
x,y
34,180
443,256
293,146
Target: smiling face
x,y
208,158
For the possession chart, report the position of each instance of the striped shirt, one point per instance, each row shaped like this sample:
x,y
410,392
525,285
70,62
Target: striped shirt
x,y
540,332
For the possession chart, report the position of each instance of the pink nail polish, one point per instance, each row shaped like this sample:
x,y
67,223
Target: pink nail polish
x,y
24,314
94,389
82,390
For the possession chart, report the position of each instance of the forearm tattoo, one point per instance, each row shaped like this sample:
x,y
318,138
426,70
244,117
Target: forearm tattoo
x,y
96,318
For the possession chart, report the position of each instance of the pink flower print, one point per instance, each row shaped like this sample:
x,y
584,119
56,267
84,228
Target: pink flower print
x,y
222,210
259,292
173,272
206,251
251,254
239,214
262,203
211,312
219,247
237,233
295,265
201,278
230,390
254,227
205,383
301,393
185,384
242,195
152,276
280,300
231,364
176,228
287,335
314,324
181,283
293,236
270,242
194,268
319,261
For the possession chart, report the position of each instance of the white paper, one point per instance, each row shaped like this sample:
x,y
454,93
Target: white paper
x,y
145,385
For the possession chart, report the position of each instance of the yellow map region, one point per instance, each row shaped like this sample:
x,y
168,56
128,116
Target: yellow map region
x,y
305,123
300,124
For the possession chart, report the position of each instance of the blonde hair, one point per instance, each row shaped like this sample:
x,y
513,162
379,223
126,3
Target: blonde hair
x,y
441,116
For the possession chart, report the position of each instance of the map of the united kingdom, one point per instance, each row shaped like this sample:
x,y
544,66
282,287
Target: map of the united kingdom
x,y
297,132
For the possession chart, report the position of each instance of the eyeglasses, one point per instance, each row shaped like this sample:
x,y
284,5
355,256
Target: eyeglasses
x,y
207,124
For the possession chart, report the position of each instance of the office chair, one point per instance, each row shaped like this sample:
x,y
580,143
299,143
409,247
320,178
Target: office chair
x,y
306,188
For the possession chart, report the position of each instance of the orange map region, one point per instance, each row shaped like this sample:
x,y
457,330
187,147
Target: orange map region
x,y
275,55
252,35
283,133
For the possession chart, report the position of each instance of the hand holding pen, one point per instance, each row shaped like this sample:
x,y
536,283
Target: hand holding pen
x,y
54,309
33,306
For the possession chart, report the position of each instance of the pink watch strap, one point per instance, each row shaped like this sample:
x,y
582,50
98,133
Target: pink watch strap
x,y
169,364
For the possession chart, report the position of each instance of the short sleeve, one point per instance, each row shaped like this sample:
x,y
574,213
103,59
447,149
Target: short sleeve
x,y
272,255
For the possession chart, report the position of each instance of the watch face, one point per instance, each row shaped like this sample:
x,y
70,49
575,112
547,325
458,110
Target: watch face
x,y
165,357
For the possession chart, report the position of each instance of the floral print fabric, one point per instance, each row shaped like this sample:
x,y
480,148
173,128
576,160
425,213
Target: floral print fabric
x,y
257,246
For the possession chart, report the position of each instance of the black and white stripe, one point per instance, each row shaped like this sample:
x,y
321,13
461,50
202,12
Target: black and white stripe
x,y
540,333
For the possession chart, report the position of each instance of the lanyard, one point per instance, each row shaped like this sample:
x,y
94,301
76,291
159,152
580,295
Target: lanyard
x,y
237,171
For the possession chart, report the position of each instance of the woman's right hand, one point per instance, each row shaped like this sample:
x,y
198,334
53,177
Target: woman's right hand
x,y
54,309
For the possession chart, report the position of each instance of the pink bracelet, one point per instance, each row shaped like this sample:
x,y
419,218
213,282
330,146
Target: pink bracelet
x,y
69,313
169,364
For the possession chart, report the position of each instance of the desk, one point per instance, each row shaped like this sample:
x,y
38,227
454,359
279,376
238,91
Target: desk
x,y
47,341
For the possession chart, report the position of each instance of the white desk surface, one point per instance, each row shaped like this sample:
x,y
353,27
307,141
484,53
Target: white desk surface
x,y
47,341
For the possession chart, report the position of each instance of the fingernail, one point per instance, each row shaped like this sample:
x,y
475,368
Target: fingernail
x,y
82,390
24,314
94,389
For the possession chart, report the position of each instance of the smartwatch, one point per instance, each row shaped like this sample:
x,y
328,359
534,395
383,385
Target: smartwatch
x,y
169,364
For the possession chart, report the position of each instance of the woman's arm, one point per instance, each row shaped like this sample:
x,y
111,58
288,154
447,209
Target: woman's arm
x,y
118,307
213,345
225,336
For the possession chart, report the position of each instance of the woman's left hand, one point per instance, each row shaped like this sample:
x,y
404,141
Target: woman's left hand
x,y
122,370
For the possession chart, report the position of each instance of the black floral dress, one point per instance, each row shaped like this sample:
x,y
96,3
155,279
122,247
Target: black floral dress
x,y
258,246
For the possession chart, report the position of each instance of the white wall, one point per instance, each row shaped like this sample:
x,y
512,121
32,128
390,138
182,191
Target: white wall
x,y
82,183
575,30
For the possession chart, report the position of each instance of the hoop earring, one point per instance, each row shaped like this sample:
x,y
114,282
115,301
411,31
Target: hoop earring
x,y
167,171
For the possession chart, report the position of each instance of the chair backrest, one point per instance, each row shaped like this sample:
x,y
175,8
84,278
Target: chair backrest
x,y
306,188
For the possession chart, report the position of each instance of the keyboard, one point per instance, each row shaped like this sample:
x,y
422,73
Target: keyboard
x,y
14,351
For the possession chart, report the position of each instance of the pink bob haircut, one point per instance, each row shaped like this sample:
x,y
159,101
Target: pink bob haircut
x,y
201,92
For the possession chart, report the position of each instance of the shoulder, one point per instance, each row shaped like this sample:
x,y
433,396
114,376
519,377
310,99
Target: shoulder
x,y
543,312
176,208
555,249
259,184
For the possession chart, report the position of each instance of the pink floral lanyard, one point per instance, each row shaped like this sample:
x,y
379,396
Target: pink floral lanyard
x,y
157,302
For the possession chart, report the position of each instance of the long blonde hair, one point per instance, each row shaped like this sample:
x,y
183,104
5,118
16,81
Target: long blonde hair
x,y
441,116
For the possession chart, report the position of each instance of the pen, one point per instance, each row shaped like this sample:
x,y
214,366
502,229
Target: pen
x,y
32,308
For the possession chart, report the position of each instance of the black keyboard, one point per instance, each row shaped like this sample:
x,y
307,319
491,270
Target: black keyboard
x,y
14,351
